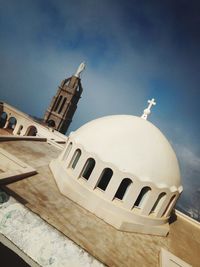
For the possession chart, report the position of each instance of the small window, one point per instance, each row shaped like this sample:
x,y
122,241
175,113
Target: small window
x,y
75,158
62,105
88,168
142,196
105,179
158,202
58,100
122,189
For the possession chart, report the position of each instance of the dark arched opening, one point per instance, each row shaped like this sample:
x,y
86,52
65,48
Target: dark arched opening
x,y
142,196
122,189
88,168
75,158
51,123
158,202
104,179
62,105
58,100
31,131
3,119
11,124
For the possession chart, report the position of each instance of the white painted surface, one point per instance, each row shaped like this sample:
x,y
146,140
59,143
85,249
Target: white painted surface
x,y
167,259
80,69
40,241
133,145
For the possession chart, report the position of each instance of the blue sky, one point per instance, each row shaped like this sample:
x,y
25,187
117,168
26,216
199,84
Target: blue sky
x,y
134,50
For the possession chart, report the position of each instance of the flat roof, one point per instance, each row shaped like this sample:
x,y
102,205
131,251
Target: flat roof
x,y
114,248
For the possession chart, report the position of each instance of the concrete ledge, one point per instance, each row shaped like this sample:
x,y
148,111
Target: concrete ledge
x,y
12,169
6,242
21,138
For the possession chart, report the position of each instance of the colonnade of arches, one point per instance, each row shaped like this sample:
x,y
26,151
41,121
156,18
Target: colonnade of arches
x,y
8,123
106,176
12,125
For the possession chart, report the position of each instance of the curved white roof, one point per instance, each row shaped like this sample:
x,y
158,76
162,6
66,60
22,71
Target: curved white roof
x,y
133,145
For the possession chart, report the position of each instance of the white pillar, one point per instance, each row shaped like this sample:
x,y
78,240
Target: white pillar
x,y
171,205
70,156
113,185
6,124
16,128
80,164
149,202
163,206
95,175
132,194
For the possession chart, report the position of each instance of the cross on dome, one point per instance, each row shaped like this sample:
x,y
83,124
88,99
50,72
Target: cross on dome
x,y
147,111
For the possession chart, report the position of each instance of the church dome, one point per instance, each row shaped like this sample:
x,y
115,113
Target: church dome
x,y
133,145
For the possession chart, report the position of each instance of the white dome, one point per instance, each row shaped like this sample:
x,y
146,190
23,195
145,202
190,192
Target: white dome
x,y
133,145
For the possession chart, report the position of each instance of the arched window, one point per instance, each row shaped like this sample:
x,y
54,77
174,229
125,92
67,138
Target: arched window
x,y
158,202
3,119
169,206
75,158
57,102
20,129
67,151
88,168
62,105
142,197
105,178
12,123
31,131
122,189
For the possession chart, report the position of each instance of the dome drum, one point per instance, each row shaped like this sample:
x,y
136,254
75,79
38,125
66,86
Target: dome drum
x,y
120,198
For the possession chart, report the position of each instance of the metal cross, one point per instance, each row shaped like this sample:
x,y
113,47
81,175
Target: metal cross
x,y
147,111
151,103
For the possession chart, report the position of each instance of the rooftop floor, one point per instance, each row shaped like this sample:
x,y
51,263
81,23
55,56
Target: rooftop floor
x,y
40,194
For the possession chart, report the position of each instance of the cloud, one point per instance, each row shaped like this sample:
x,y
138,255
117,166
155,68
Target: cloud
x,y
190,167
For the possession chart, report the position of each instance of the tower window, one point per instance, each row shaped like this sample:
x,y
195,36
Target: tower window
x,y
57,102
122,189
75,158
142,197
105,178
62,105
88,168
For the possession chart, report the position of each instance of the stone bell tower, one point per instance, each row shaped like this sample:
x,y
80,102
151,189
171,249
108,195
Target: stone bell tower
x,y
63,105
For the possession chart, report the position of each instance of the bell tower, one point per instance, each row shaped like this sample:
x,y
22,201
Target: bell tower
x,y
63,105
